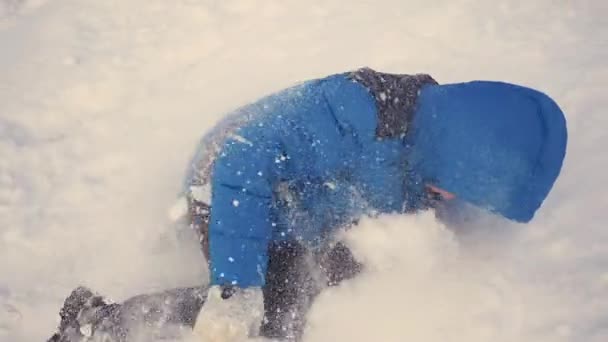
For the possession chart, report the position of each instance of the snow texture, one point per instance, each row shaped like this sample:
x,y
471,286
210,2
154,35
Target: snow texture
x,y
102,103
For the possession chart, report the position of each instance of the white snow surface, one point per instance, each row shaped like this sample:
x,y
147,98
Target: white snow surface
x,y
102,102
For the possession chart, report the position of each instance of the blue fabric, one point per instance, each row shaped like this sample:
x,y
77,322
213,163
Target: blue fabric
x,y
496,145
314,142
306,160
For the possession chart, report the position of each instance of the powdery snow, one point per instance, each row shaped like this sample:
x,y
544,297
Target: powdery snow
x,y
102,103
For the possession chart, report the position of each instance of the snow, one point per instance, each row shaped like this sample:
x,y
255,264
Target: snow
x,y
102,103
241,139
201,193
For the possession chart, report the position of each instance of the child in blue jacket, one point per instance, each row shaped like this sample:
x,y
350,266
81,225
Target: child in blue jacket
x,y
272,183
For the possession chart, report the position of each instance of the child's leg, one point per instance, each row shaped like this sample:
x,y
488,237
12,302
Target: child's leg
x,y
198,216
169,313
290,288
294,278
338,264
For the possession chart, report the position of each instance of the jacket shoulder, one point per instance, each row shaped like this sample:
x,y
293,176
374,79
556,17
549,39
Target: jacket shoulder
x,y
395,96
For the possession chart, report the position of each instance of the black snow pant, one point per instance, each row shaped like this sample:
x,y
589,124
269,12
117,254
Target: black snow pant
x,y
294,277
166,315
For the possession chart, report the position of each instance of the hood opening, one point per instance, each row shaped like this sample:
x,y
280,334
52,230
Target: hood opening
x,y
495,145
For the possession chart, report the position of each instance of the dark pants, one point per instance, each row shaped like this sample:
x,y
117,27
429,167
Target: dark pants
x,y
165,315
295,276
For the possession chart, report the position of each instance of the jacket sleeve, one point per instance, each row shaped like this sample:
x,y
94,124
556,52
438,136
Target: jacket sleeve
x,y
308,133
240,226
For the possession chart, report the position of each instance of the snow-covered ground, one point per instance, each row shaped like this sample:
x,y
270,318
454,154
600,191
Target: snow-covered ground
x,y
101,103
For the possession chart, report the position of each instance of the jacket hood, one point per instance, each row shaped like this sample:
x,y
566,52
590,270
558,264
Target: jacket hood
x,y
496,145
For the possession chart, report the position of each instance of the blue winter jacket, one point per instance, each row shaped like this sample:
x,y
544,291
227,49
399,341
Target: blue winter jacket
x,y
298,164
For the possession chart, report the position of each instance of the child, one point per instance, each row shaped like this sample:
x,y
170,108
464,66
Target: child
x,y
271,184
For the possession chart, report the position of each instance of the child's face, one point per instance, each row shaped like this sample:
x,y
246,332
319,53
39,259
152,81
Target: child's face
x,y
439,193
